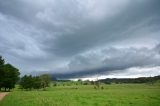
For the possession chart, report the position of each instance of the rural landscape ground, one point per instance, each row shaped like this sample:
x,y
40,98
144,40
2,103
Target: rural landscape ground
x,y
86,95
79,52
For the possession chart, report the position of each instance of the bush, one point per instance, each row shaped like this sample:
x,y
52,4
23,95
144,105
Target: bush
x,y
102,87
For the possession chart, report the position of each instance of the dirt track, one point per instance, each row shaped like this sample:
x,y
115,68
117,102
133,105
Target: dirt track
x,y
2,95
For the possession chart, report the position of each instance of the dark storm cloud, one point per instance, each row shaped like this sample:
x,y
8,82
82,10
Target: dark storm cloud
x,y
114,60
157,48
108,30
79,37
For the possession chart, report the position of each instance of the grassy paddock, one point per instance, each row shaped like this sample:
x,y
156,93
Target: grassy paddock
x,y
86,95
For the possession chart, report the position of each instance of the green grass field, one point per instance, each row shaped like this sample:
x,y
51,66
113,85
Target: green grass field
x,y
86,95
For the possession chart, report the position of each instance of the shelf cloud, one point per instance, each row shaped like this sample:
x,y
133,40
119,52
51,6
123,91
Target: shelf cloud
x,y
78,38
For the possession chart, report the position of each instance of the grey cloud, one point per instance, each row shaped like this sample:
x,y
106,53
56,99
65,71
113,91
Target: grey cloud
x,y
113,60
109,30
66,36
157,48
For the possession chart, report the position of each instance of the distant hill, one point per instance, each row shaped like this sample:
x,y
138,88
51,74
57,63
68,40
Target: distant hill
x,y
131,80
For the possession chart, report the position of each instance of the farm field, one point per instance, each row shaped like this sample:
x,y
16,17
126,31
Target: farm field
x,y
86,95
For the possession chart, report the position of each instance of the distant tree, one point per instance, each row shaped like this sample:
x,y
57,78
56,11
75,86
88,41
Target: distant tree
x,y
36,82
26,82
45,80
85,83
22,82
1,71
79,80
102,87
92,82
97,84
54,83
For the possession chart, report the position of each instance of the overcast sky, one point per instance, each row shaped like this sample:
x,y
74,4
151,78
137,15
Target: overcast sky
x,y
82,38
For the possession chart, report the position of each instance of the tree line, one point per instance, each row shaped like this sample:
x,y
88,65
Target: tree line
x,y
150,80
9,75
30,82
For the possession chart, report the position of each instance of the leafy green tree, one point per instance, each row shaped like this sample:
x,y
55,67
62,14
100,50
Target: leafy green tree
x,y
26,82
11,76
29,82
1,71
1,62
45,78
36,82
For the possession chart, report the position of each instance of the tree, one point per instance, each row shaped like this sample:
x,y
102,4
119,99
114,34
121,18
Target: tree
x,y
11,76
1,62
36,82
45,78
97,84
26,82
1,71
